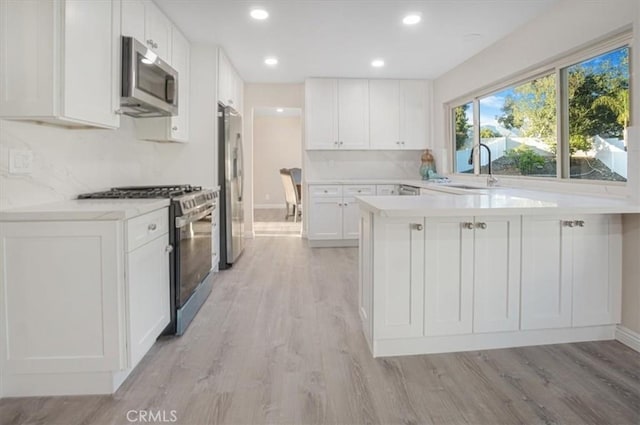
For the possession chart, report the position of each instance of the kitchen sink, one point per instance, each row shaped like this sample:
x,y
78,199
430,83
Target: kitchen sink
x,y
465,187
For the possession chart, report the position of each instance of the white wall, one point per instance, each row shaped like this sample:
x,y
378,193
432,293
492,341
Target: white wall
x,y
262,96
277,143
565,27
68,162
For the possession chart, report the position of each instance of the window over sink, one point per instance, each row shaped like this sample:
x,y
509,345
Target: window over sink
x,y
566,120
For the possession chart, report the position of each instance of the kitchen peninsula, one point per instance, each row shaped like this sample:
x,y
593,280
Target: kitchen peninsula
x,y
451,272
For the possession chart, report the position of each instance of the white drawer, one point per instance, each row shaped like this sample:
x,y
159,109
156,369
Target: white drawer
x,y
325,191
359,190
145,228
386,190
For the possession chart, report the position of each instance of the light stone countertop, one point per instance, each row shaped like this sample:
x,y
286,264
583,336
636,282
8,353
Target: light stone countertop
x,y
495,201
84,209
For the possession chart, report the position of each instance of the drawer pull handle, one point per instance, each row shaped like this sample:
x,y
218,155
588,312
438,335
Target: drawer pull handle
x,y
579,223
481,225
467,225
568,223
418,227
152,227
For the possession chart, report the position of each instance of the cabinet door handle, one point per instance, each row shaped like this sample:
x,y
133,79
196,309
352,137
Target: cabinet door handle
x,y
341,143
152,227
418,227
467,225
579,223
568,223
168,249
174,128
150,42
481,225
155,45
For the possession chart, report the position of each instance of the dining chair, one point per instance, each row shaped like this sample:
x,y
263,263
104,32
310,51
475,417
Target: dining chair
x,y
290,195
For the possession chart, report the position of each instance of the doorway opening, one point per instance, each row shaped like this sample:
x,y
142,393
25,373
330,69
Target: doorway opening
x,y
277,169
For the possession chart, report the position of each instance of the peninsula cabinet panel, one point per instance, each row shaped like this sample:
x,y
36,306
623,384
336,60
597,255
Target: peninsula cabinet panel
x,y
571,271
597,264
546,274
399,278
496,274
448,294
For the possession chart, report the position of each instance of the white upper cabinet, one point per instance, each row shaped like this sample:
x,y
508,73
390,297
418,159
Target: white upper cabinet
x,y
172,129
144,21
321,106
337,113
415,114
367,114
230,85
60,62
399,114
384,107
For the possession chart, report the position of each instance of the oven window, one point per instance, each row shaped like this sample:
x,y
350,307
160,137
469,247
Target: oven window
x,y
195,256
153,80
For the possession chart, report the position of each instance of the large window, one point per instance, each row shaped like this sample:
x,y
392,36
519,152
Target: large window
x,y
586,102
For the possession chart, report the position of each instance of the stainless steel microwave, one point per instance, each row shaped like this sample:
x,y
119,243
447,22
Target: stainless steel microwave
x,y
149,85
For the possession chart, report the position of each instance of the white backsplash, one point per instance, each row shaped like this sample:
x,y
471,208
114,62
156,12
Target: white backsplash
x,y
67,162
321,165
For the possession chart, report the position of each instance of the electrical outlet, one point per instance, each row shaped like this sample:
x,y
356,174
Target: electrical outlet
x,y
20,161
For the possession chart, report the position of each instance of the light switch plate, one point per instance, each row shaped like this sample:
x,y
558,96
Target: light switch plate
x,y
20,161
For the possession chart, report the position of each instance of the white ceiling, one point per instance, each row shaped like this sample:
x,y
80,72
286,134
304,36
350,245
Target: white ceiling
x,y
340,38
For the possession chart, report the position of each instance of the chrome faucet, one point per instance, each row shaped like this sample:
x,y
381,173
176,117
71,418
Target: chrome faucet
x,y
491,181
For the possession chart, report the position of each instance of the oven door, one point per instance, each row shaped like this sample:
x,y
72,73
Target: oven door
x,y
193,252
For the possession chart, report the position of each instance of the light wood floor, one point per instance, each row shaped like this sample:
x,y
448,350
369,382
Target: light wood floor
x,y
272,223
279,342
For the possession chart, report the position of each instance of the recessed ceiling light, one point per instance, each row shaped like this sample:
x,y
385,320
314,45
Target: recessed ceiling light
x,y
377,63
411,19
259,14
271,61
279,110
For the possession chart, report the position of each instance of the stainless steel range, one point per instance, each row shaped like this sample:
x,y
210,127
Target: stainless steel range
x,y
190,220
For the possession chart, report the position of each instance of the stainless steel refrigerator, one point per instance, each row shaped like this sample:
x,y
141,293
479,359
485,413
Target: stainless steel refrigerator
x,y
231,178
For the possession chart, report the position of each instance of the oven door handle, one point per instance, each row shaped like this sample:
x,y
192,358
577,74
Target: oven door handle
x,y
183,221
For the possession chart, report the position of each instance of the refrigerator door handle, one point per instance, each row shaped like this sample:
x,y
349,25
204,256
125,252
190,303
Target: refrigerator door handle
x,y
240,167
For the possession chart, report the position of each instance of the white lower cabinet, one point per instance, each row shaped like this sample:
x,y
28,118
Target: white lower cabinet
x,y
438,284
448,294
82,302
496,274
334,214
398,270
148,295
472,277
571,271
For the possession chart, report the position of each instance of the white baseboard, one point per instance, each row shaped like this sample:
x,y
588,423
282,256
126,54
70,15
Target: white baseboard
x,y
628,337
488,341
332,243
279,206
